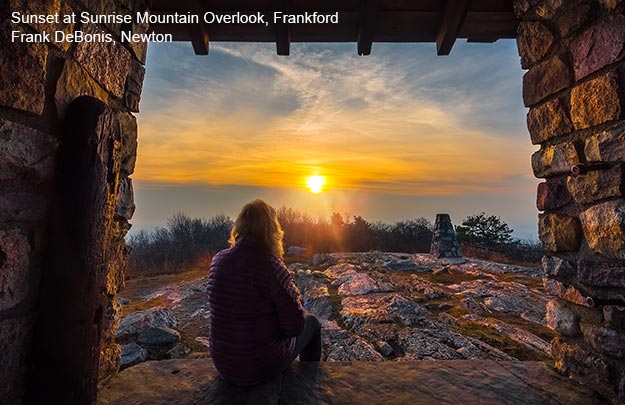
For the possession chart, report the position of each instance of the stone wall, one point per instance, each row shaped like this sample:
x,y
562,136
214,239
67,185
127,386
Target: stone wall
x,y
37,83
574,87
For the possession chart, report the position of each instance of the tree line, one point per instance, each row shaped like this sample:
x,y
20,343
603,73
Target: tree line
x,y
489,237
187,242
183,243
345,233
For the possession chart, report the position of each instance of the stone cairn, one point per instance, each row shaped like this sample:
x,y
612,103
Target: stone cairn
x,y
444,242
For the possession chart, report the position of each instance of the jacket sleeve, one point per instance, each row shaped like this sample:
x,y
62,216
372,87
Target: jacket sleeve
x,y
286,299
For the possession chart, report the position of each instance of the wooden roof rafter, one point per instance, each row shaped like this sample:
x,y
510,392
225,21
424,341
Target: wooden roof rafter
x,y
283,35
360,21
453,18
198,33
366,28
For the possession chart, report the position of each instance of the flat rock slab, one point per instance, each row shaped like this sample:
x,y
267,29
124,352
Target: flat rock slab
x,y
195,381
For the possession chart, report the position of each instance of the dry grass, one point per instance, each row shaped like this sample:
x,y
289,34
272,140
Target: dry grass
x,y
498,257
499,341
135,306
140,286
447,278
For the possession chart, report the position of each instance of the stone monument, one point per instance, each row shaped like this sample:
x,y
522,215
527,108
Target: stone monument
x,y
444,243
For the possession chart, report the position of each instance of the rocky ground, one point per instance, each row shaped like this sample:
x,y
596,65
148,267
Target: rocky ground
x,y
374,307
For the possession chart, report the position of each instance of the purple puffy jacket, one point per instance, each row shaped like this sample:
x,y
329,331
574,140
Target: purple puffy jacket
x,y
255,313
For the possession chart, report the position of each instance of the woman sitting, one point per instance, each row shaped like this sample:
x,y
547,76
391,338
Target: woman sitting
x,y
257,324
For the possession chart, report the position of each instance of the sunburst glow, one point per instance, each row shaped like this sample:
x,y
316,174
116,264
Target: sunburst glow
x,y
315,183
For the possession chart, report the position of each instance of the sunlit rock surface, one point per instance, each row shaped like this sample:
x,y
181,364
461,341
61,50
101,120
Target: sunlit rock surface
x,y
378,306
195,381
382,314
416,307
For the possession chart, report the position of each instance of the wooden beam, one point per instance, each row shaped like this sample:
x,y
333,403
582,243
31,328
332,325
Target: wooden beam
x,y
390,26
453,17
283,33
198,33
283,39
482,40
199,39
366,26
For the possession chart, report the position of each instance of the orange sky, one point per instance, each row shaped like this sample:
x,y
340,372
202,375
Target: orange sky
x,y
390,124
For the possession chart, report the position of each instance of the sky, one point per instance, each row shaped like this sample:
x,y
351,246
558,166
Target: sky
x,y
400,134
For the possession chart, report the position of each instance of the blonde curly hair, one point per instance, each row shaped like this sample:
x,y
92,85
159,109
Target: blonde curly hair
x,y
259,220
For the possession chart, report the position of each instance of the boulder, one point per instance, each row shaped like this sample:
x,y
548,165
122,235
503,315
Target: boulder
x,y
295,250
158,337
132,325
132,354
178,351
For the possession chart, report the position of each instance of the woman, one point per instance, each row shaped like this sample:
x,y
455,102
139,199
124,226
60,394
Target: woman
x,y
257,323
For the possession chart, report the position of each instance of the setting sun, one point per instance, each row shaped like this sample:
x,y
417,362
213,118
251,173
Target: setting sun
x,y
315,183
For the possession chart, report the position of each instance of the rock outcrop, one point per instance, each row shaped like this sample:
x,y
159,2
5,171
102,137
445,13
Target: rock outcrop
x,y
378,306
150,334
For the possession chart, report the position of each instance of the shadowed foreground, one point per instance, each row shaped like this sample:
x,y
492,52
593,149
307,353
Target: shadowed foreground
x,y
194,381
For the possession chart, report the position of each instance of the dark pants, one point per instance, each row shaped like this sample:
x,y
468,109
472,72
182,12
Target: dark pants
x,y
308,343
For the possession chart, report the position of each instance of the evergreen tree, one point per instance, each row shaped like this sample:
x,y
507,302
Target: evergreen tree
x,y
484,230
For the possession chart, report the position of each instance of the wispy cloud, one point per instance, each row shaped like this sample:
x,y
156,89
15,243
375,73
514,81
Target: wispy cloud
x,y
402,121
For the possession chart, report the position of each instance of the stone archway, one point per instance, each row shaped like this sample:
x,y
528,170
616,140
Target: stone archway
x,y
574,87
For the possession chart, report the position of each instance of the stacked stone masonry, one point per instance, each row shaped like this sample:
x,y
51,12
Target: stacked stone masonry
x,y
37,83
574,53
444,242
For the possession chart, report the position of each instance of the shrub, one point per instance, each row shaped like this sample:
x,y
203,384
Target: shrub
x,y
179,246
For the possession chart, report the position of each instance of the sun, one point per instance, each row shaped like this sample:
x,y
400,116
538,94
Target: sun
x,y
315,183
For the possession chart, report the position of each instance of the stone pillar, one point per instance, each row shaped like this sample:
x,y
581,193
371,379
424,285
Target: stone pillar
x,y
575,90
37,83
444,242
